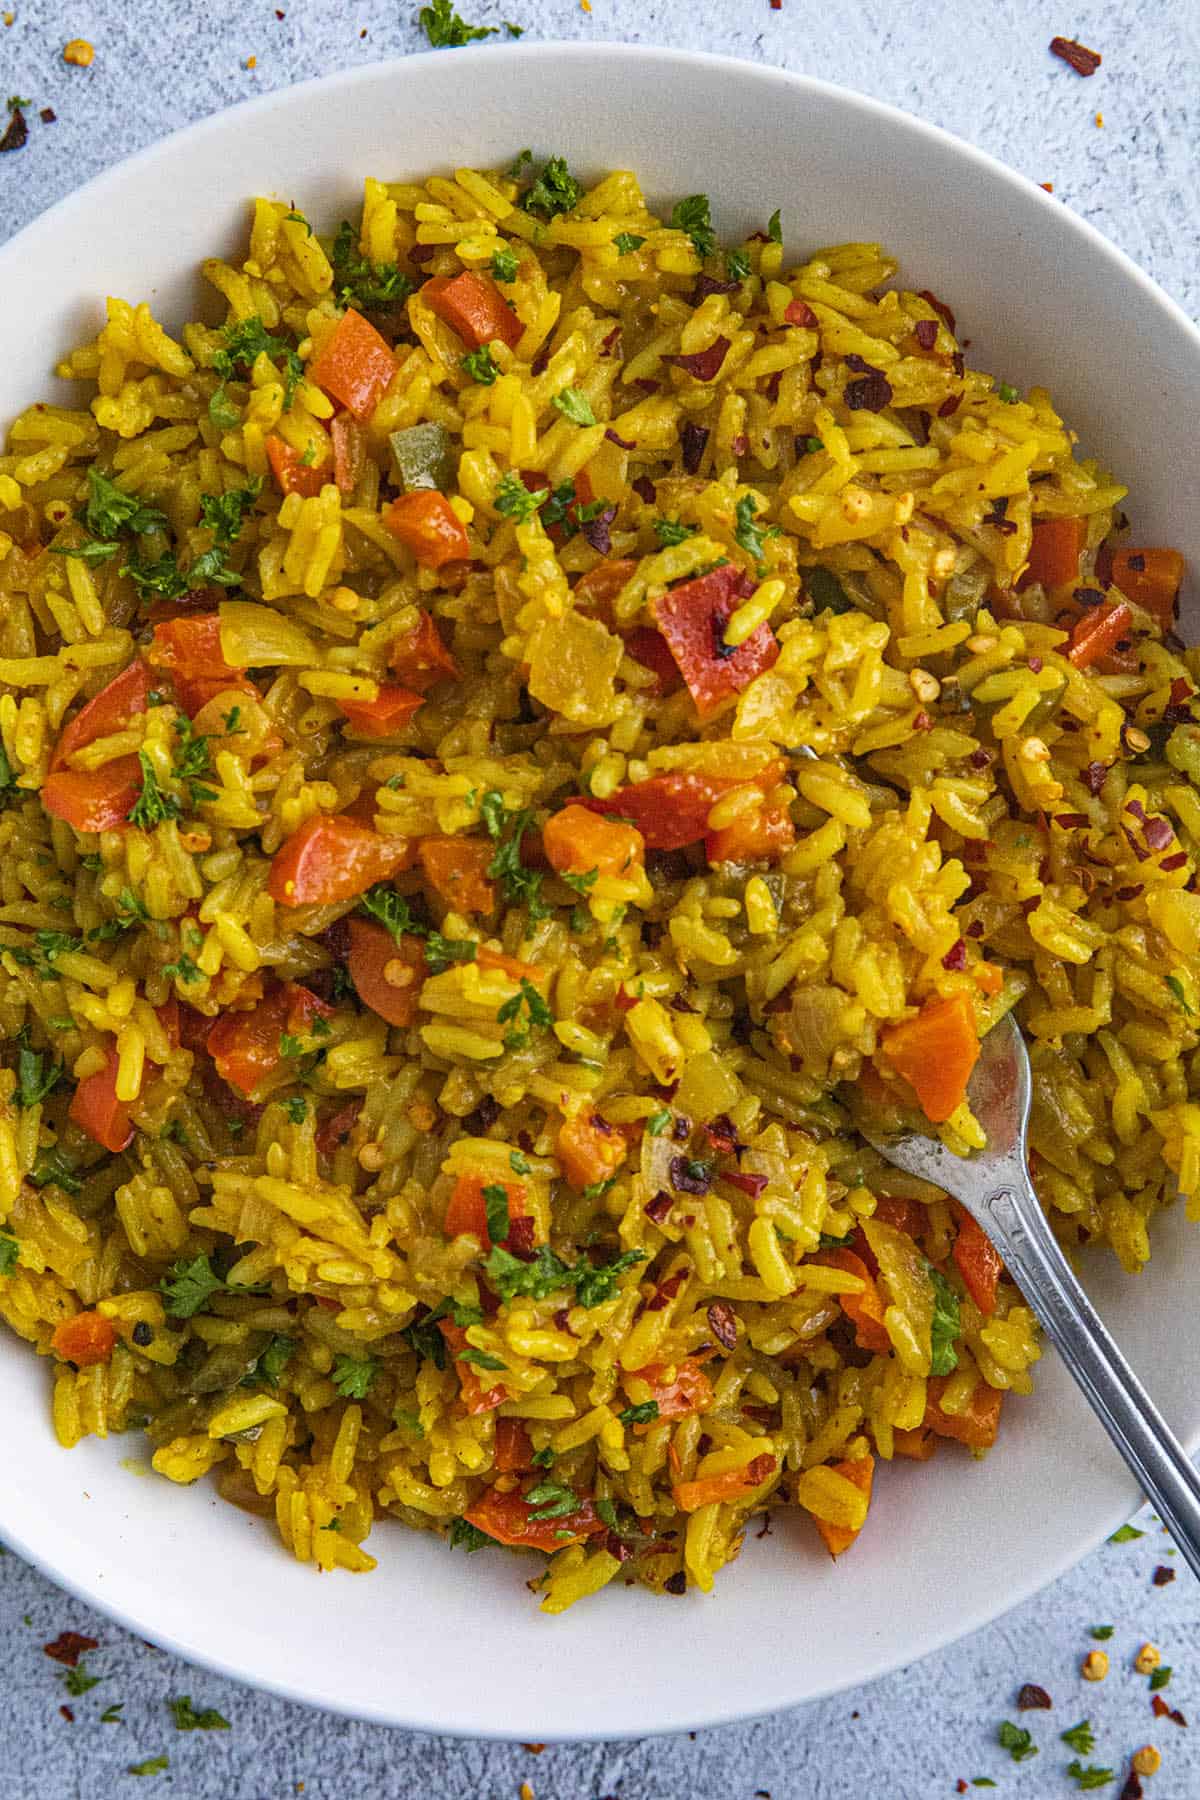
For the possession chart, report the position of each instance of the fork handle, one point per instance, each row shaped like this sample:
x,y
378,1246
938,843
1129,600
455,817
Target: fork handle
x,y
1034,1257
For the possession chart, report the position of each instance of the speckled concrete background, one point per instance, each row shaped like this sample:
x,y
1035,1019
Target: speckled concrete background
x,y
981,70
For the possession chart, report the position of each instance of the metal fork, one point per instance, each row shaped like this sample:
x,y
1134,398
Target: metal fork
x,y
995,1188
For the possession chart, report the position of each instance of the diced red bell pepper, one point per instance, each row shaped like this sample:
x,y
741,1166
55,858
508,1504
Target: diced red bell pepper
x,y
514,1452
677,1396
427,523
85,1340
508,1518
384,716
349,451
976,1427
109,712
420,658
473,306
292,474
577,841
979,1262
1054,552
467,1210
693,616
671,811
332,858
372,949
94,799
1097,632
651,649
589,1150
245,1045
456,869
475,1397
356,366
760,836
188,649
902,1215
95,1107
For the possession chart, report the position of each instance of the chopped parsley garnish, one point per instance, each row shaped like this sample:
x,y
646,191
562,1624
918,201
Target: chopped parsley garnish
x,y
188,1719
152,807
1006,392
551,1500
692,215
495,1200
774,228
360,282
625,243
548,1274
1080,1737
390,909
513,500
1126,1535
52,944
406,1420
584,883
481,1359
553,192
110,510
226,513
521,886
54,1165
465,1536
193,764
747,532
505,263
607,1511
112,1714
221,410
354,1376
1160,1677
34,1081
273,1361
659,1122
446,30
153,1765
231,719
737,265
1101,1633
946,1327
520,1165
575,406
93,551
537,1014
183,969
10,1253
829,1242
296,1108
1177,988
8,781
245,342
642,1414
481,366
1088,1778
1016,1740
77,1680
189,1286
673,531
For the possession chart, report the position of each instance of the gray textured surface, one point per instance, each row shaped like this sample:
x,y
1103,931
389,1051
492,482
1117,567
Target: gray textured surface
x,y
982,71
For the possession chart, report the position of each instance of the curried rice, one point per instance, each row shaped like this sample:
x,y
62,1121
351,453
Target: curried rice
x,y
508,737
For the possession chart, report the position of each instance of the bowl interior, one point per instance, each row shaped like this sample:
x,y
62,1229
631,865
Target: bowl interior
x,y
451,1642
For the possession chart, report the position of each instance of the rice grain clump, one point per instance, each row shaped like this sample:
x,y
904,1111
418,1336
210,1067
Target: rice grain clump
x,y
509,738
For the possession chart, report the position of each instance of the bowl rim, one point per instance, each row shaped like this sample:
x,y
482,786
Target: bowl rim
x,y
344,82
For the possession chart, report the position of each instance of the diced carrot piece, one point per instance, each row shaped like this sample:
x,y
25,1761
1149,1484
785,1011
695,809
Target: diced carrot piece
x,y
692,617
864,1311
1054,553
467,1211
85,1340
759,836
935,1053
95,1107
512,965
678,1390
577,841
473,306
292,474
94,799
979,1262
349,451
475,1397
1099,630
245,1046
513,1452
671,811
917,1446
733,1484
509,1519
427,523
384,716
456,870
355,367
113,708
861,1471
374,955
1151,579
420,658
988,978
332,858
977,1426
589,1150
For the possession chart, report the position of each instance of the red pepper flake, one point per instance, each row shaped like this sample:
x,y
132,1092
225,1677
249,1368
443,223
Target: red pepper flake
x,y
958,363
1133,1789
1048,185
1137,809
67,1714
666,1291
1158,834
960,1786
1130,893
975,929
740,444
922,722
620,442
658,1208
17,132
69,1646
1033,1699
1094,776
534,1749
1176,861
1070,821
520,1238
692,440
749,1184
48,116
1162,1576
608,347
799,312
956,957
949,407
1080,58
704,365
776,5
940,308
1163,1711
925,332
643,487
722,1322
1035,665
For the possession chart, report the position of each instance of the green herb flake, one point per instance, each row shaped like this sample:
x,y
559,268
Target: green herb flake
x,y
446,30
495,1200
538,1015
1126,1535
482,1360
513,500
1016,1740
354,1376
642,1414
1006,392
747,532
78,1681
10,1254
673,531
947,1325
34,1081
519,1164
693,216
189,1286
554,192
112,1714
187,1718
1101,1633
244,342
625,243
505,263
152,807
574,405
481,366
1177,988
1080,1737
659,1122
1088,1778
465,1536
737,265
551,1500
296,1108
153,1765
1160,1677
359,282
774,228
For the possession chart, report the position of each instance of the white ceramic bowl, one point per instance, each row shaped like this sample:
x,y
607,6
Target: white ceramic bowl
x,y
455,1643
